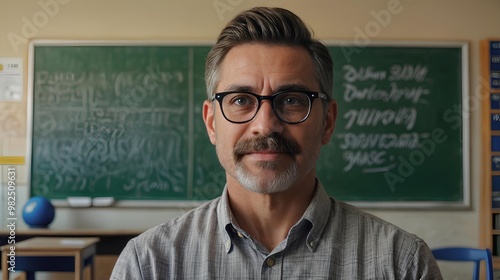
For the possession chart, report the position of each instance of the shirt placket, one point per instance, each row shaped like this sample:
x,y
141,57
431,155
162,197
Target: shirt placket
x,y
272,267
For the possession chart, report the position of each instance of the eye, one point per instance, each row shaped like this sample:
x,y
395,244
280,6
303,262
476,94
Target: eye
x,y
241,99
292,99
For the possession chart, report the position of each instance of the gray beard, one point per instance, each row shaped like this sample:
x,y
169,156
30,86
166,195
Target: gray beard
x,y
280,183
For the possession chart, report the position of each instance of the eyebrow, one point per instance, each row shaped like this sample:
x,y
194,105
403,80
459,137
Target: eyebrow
x,y
240,88
285,87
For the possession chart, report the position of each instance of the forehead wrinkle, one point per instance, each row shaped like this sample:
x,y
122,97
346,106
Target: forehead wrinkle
x,y
292,87
280,88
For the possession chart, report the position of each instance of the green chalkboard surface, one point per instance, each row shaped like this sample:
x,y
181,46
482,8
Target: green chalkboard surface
x,y
124,120
399,134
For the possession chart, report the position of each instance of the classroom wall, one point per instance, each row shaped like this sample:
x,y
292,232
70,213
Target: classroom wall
x,y
363,20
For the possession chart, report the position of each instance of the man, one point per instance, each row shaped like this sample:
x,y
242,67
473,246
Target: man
x,y
268,113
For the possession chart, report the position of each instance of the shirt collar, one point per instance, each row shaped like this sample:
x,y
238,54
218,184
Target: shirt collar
x,y
317,213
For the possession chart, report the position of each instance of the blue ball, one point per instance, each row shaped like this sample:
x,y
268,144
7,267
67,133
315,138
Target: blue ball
x,y
38,212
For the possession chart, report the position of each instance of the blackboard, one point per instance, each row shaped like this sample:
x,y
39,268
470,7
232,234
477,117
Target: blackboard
x,y
401,135
123,119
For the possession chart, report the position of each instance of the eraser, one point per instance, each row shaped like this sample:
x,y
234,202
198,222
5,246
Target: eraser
x,y
103,201
79,201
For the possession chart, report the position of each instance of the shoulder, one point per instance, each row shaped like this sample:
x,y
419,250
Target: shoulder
x,y
376,233
406,252
195,223
151,255
355,218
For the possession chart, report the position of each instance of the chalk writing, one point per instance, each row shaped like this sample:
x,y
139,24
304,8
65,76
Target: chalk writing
x,y
405,116
102,125
375,152
383,141
394,94
408,72
364,158
351,74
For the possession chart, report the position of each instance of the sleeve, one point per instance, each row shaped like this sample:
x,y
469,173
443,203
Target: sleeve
x,y
127,266
423,266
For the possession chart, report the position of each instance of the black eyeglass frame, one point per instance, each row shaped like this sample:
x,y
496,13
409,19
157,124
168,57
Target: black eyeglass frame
x,y
310,94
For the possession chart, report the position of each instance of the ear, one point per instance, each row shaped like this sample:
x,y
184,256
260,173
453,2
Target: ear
x,y
209,119
330,118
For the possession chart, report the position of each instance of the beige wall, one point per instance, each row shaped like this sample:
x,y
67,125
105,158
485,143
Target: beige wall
x,y
202,20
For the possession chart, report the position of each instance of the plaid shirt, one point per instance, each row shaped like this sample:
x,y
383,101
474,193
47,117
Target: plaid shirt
x,y
332,240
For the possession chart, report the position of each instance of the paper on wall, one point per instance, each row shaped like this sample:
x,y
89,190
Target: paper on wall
x,y
11,79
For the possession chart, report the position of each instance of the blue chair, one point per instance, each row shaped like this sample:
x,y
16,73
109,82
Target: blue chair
x,y
467,254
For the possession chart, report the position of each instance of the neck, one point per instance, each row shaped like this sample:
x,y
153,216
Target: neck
x,y
269,217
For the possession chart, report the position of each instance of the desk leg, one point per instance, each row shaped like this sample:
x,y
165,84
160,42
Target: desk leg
x,y
78,266
5,265
92,268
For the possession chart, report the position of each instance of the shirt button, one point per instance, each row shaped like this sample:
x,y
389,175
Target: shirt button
x,y
312,243
228,245
270,262
240,234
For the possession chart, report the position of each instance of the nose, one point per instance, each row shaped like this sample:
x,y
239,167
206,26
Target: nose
x,y
266,122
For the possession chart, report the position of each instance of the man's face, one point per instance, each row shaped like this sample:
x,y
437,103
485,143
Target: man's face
x,y
252,153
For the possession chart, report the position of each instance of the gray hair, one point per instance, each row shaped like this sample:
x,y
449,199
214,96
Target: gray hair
x,y
269,26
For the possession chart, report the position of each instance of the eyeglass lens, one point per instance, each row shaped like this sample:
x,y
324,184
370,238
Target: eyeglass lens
x,y
290,107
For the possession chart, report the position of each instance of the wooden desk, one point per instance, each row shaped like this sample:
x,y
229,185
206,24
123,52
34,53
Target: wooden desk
x,y
81,249
111,243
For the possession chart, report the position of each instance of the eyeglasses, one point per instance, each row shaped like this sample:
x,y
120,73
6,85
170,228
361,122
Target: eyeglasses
x,y
290,107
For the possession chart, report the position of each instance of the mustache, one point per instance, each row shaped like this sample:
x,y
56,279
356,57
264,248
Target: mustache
x,y
274,143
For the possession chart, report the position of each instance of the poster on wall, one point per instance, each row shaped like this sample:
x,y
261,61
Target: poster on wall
x,y
11,79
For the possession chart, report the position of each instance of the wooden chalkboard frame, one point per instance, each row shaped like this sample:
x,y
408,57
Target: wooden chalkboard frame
x,y
463,203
